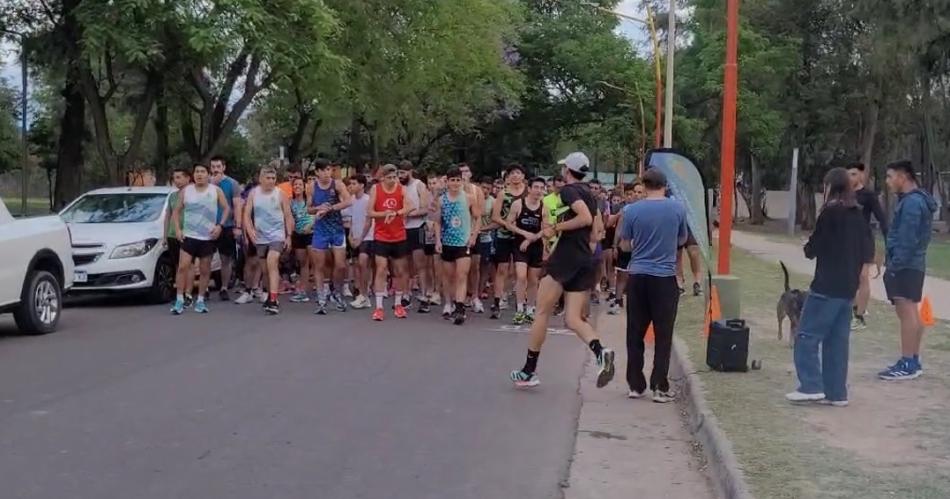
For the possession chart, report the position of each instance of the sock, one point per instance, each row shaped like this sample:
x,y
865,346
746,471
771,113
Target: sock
x,y
531,362
180,297
201,298
596,347
379,300
398,298
520,308
273,296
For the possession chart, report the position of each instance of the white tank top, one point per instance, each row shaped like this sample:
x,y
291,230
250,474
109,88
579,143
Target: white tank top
x,y
269,216
200,211
412,192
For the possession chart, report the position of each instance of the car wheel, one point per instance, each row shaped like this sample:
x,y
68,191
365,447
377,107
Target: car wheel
x,y
41,303
163,282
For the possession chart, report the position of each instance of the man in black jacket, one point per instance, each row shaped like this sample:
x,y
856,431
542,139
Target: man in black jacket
x,y
870,205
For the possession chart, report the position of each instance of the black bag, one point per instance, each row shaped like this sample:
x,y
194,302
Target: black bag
x,y
728,346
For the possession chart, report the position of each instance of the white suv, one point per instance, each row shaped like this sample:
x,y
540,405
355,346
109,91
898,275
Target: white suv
x,y
36,268
119,242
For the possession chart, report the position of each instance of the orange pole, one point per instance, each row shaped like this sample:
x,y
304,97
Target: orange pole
x,y
727,182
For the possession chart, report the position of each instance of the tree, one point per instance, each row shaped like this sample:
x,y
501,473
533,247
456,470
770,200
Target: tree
x,y
10,157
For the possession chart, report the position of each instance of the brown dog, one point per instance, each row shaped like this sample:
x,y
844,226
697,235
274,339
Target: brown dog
x,y
790,305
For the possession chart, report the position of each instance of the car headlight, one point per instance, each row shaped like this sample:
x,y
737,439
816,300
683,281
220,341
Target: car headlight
x,y
135,249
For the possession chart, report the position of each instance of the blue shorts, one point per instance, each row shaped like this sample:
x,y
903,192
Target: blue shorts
x,y
324,242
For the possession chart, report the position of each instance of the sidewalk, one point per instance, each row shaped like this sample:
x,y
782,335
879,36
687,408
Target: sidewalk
x,y
938,290
630,448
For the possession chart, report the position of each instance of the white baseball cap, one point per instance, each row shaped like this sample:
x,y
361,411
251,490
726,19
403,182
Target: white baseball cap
x,y
576,162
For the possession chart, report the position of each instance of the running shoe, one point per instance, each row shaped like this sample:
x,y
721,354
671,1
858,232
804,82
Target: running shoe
x,y
321,308
400,312
663,397
189,301
378,314
435,299
495,312
347,292
406,301
503,304
902,370
605,363
338,302
299,297
858,324
477,306
697,289
834,403
633,394
519,319
245,298
179,307
529,317
595,298
447,311
271,307
423,307
261,295
458,317
200,307
614,309
224,295
798,396
522,379
360,302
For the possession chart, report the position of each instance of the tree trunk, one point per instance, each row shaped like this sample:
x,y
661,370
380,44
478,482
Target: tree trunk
x,y
807,211
296,141
161,131
869,134
756,214
355,142
69,157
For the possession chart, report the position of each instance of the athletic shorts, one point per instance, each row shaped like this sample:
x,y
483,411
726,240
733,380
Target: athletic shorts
x,y
174,250
904,283
250,250
429,249
573,278
225,242
623,260
265,248
534,256
504,250
453,253
198,248
324,242
300,241
395,250
416,238
608,241
366,248
485,250
690,240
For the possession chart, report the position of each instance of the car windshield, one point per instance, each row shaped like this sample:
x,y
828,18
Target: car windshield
x,y
126,207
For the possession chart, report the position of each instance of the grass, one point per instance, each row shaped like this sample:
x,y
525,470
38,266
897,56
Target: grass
x,y
938,253
34,206
784,453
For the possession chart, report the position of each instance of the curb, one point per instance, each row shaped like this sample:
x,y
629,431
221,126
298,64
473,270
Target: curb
x,y
725,473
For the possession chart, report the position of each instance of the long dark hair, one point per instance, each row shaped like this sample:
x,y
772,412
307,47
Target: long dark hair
x,y
838,190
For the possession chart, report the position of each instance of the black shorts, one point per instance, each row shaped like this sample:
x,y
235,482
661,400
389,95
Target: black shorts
x,y
485,250
623,260
534,256
416,238
904,283
504,250
395,250
608,241
573,278
300,241
366,248
690,240
453,253
429,249
198,248
225,243
174,250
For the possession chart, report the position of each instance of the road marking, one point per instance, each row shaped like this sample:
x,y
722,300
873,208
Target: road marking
x,y
511,328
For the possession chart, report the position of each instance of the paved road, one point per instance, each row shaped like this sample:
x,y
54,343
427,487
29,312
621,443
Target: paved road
x,y
129,402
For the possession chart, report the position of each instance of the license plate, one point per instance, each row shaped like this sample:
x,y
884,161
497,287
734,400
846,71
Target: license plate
x,y
80,276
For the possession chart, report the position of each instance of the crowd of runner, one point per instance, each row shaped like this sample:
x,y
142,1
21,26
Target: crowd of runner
x,y
549,245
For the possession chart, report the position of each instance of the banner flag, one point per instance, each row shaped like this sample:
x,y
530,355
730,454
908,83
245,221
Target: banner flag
x,y
685,182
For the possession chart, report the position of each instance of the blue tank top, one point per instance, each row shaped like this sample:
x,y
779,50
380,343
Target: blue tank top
x,y
331,223
456,220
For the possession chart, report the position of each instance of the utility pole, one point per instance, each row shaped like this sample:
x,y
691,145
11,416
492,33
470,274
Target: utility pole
x,y
793,194
670,54
727,181
25,169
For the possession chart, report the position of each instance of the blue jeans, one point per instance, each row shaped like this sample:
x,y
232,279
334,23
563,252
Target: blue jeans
x,y
826,323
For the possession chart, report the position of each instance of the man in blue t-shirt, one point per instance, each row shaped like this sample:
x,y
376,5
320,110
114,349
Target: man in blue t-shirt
x,y
231,230
652,230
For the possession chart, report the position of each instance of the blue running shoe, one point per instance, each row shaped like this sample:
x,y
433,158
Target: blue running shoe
x,y
903,369
200,307
179,307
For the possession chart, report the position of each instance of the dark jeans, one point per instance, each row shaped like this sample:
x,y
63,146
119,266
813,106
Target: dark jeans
x,y
825,326
650,299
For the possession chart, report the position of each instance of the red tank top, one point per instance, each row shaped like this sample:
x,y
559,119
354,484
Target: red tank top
x,y
395,230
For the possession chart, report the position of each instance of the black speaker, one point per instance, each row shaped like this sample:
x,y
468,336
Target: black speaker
x,y
728,346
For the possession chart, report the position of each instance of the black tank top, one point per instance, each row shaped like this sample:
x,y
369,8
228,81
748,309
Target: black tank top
x,y
529,220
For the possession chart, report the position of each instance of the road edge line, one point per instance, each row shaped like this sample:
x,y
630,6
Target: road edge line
x,y
725,472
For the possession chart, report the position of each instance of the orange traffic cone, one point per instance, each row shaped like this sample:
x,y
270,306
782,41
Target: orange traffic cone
x,y
649,339
927,313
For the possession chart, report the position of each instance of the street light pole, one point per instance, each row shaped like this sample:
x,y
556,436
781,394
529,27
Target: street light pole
x,y
670,54
24,172
727,182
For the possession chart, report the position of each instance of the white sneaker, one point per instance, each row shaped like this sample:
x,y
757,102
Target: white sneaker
x,y
435,299
347,293
244,299
632,394
477,306
503,304
834,403
661,397
798,396
261,296
360,302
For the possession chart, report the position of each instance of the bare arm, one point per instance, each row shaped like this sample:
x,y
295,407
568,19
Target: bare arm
x,y
288,215
371,209
496,209
238,204
424,200
249,229
407,205
176,213
437,224
513,214
476,210
345,199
